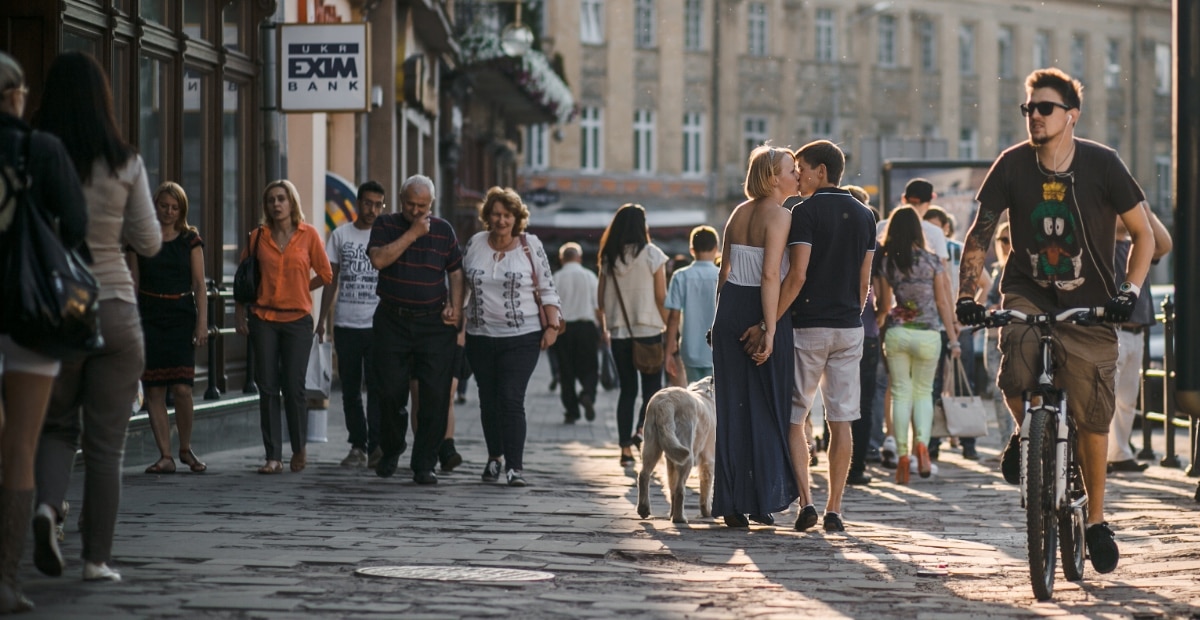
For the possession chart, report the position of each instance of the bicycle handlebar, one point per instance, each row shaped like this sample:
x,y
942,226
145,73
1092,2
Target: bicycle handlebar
x,y
1078,316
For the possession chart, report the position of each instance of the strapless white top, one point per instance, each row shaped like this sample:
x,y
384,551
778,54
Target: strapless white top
x,y
746,263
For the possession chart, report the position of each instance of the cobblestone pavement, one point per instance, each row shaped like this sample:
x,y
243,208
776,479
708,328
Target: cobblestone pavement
x,y
231,543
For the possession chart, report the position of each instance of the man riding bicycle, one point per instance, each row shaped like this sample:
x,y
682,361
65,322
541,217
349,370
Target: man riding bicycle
x,y
1063,196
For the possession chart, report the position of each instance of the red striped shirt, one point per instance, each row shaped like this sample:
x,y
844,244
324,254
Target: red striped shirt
x,y
417,280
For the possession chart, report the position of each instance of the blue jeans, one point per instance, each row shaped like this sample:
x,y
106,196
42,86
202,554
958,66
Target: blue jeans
x,y
503,367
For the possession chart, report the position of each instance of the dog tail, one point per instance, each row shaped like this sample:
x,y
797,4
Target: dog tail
x,y
675,451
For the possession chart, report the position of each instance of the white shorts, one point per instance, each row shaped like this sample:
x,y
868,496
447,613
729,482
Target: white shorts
x,y
828,358
17,358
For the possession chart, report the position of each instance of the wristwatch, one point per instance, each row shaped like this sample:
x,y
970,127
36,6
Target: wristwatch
x,y
1130,287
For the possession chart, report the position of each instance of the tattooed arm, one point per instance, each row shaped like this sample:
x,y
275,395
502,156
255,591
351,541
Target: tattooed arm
x,y
979,238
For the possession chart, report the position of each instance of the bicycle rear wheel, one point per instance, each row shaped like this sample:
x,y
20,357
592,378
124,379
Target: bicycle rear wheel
x,y
1071,519
1041,518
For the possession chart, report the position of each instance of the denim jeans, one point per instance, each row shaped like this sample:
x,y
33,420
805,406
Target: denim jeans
x,y
912,356
622,349
503,367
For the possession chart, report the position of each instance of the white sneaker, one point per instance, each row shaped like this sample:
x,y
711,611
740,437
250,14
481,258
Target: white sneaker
x,y
888,449
99,572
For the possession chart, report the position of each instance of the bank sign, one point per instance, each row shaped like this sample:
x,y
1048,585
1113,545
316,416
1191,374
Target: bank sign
x,y
323,68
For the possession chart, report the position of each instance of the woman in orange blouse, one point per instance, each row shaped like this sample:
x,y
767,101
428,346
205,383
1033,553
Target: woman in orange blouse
x,y
280,323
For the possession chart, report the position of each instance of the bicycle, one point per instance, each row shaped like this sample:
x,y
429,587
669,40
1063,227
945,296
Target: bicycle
x,y
1052,491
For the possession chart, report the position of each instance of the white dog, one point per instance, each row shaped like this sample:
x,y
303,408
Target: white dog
x,y
683,424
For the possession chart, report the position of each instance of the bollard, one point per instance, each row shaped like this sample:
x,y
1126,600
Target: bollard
x,y
1170,459
1147,451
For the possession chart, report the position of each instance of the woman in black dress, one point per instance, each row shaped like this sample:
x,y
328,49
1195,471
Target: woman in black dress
x,y
174,305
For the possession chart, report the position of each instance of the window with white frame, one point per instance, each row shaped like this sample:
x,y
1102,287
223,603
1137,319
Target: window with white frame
x,y
693,25
591,21
1078,56
754,133
643,141
1041,50
968,143
887,41
537,146
693,143
1112,64
756,22
1007,62
591,144
1162,182
928,35
1162,68
966,49
822,128
826,44
643,23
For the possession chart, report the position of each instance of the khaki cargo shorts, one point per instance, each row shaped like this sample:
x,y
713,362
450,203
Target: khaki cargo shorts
x,y
1087,365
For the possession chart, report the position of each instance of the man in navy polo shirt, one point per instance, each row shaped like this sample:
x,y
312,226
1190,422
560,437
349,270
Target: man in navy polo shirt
x,y
415,325
830,247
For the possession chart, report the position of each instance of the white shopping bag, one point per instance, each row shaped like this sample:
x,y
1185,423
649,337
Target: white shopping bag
x,y
318,425
319,378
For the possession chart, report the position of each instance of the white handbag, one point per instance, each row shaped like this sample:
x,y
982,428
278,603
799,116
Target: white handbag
x,y
955,415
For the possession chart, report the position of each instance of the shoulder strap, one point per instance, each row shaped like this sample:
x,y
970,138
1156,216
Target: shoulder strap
x,y
532,266
621,301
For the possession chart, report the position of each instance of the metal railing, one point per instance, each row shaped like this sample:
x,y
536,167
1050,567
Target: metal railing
x,y
217,298
1168,416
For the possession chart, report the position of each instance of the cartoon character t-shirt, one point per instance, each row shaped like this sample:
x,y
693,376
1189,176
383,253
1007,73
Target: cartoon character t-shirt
x,y
1062,224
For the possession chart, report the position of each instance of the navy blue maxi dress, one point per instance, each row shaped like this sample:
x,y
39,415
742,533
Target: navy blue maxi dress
x,y
753,466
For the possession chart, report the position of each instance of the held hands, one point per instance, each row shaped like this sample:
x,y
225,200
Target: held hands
x,y
450,315
758,343
1120,307
969,311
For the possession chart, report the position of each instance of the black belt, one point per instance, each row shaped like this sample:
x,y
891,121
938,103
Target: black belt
x,y
409,313
1136,329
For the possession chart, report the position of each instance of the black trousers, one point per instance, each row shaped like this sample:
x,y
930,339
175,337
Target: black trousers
x,y
280,362
354,355
503,367
622,349
860,429
419,348
578,361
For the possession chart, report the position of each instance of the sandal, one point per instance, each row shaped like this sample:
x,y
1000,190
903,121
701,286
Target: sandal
x,y
187,457
299,461
164,465
272,467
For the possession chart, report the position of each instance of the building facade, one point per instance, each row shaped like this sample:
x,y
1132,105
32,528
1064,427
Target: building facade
x,y
673,94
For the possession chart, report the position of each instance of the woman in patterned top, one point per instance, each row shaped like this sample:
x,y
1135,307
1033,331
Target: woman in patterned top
x,y
921,290
174,306
507,275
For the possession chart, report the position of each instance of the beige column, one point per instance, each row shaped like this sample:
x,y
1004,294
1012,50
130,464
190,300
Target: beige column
x,y
671,88
948,64
381,122
988,61
618,103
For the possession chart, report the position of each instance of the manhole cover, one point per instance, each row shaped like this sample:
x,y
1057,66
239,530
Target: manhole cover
x,y
454,573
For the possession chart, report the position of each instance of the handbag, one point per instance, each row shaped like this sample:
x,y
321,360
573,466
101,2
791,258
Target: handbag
x,y
609,379
956,415
247,277
52,300
648,358
543,318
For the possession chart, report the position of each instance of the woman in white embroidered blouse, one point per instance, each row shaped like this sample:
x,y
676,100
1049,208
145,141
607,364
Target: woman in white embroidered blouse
x,y
506,272
632,269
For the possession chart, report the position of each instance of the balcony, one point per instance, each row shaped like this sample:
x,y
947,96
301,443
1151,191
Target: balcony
x,y
526,87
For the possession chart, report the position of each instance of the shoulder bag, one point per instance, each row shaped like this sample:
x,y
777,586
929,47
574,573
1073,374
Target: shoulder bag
x,y
247,277
958,416
561,326
648,358
52,300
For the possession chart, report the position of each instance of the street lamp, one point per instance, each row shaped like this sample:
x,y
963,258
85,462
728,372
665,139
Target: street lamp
x,y
516,38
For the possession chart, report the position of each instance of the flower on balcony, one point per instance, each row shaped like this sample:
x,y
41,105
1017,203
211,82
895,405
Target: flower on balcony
x,y
532,71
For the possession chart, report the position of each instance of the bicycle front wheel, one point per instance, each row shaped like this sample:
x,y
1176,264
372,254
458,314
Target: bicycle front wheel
x,y
1041,518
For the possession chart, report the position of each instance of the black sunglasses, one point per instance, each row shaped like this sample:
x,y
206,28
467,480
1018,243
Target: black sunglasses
x,y
1045,108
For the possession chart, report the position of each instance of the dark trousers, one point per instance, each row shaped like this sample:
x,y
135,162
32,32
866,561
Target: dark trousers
x,y
967,353
354,355
628,375
503,367
408,348
860,429
280,363
577,361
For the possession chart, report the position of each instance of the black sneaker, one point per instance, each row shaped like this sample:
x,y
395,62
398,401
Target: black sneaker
x,y
448,457
1010,461
859,479
1129,465
515,479
589,407
833,522
425,477
491,472
970,453
807,518
388,463
1102,548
